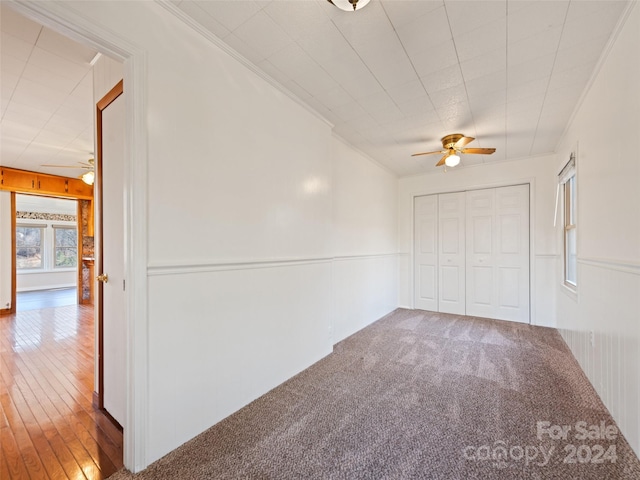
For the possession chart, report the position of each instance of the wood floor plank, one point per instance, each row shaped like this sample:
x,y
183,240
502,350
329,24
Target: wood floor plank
x,y
49,427
87,430
4,467
11,454
68,448
97,436
28,435
66,458
37,422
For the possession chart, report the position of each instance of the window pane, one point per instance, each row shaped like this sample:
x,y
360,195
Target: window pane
x,y
66,237
66,247
572,200
28,251
66,257
571,257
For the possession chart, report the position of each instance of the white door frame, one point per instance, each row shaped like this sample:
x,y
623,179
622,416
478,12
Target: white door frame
x,y
66,21
531,181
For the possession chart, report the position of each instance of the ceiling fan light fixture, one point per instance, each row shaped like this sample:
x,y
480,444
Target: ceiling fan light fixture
x,y
349,5
452,160
89,178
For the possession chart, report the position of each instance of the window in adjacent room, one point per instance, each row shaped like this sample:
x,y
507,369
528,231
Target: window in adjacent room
x,y
568,182
29,246
65,246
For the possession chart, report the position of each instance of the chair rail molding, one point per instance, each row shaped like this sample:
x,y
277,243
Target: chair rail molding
x,y
189,267
611,264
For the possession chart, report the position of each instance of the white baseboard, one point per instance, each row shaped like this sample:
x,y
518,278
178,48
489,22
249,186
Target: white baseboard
x,y
46,287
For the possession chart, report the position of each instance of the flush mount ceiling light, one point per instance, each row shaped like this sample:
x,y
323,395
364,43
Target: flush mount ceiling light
x,y
349,5
452,160
88,178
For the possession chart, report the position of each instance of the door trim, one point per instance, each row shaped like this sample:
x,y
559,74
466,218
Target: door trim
x,y
13,278
104,102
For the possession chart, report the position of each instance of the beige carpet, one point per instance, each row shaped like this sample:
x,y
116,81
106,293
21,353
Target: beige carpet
x,y
419,395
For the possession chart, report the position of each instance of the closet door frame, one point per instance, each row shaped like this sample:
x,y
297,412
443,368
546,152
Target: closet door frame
x,y
531,181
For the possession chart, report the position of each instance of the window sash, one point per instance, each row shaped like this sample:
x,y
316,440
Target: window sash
x,y
570,231
64,256
29,254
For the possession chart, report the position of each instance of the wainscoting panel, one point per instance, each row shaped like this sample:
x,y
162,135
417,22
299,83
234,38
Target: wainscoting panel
x,y
544,277
365,288
602,328
220,339
405,280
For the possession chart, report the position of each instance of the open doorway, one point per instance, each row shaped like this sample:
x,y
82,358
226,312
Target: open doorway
x,y
48,252
52,356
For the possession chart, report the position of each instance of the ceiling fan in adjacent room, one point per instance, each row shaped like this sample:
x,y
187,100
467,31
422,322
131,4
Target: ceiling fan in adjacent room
x,y
89,165
453,145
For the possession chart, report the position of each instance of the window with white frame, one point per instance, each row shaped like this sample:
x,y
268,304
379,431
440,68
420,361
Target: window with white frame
x,y
569,185
45,247
29,240
65,246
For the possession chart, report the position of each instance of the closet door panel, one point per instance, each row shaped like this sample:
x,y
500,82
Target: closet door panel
x,y
480,244
426,253
512,253
451,253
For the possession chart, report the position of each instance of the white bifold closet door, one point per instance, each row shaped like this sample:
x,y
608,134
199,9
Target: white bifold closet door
x,y
472,253
498,253
451,253
426,253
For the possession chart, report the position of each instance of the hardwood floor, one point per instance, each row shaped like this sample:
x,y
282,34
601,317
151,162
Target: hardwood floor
x,y
48,426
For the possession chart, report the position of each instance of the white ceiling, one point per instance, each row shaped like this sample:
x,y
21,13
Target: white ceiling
x,y
46,97
398,75
393,77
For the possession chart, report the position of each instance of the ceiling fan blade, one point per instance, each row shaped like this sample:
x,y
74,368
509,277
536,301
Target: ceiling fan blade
x,y
462,142
483,151
428,153
85,167
441,162
59,166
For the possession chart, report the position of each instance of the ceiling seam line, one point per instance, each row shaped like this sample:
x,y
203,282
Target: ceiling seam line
x,y
26,63
466,92
553,66
367,67
404,49
444,5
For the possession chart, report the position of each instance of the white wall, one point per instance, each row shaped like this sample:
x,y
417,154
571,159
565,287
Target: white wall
x,y
240,225
605,134
30,281
537,171
5,250
240,187
364,241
